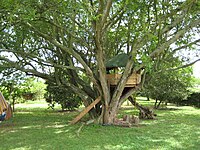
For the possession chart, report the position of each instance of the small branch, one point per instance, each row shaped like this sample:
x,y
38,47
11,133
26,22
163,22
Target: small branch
x,y
79,130
118,15
184,66
174,38
185,46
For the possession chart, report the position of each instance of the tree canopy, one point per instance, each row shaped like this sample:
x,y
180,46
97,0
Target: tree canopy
x,y
69,42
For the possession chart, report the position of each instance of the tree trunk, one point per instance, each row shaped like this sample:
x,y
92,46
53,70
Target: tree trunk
x,y
158,105
155,104
109,114
148,98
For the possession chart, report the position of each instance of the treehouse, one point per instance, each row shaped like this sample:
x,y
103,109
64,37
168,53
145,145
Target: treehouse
x,y
115,67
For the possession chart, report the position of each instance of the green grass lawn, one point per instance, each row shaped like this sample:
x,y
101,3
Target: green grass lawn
x,y
34,127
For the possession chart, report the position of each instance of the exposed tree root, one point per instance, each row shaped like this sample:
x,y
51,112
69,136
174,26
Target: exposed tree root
x,y
127,121
85,123
145,112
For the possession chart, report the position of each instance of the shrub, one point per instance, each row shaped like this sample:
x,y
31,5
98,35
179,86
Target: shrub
x,y
63,96
193,100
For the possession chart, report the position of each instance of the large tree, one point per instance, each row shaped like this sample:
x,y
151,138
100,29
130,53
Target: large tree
x,y
69,42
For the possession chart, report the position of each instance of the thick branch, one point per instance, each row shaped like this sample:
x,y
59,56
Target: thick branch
x,y
13,64
106,12
68,50
128,94
33,58
120,87
174,38
101,67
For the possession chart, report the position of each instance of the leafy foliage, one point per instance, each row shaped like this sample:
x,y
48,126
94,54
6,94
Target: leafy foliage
x,y
63,96
15,85
169,86
193,100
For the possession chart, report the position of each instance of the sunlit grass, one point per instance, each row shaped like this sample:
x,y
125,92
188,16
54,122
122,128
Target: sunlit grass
x,y
35,127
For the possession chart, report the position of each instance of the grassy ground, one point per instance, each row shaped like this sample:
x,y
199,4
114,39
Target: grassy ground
x,y
33,127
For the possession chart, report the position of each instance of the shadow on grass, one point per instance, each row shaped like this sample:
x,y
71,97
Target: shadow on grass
x,y
168,109
33,129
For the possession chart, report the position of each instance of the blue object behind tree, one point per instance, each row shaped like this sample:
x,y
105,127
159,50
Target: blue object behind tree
x,y
3,116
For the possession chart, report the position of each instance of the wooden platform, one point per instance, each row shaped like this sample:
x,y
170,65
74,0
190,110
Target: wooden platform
x,y
132,81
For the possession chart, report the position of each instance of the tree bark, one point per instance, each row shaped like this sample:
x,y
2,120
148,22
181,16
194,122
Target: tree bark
x,y
109,115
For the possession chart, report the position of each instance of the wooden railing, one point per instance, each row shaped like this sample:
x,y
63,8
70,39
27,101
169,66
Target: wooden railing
x,y
132,81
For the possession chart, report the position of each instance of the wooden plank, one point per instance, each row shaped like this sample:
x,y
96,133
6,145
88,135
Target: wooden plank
x,y
85,111
133,80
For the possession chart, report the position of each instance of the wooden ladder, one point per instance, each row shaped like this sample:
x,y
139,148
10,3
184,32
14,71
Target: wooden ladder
x,y
85,111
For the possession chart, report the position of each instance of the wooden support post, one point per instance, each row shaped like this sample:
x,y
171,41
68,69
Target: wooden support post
x,y
85,111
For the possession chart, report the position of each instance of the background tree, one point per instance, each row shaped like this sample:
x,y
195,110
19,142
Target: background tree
x,y
11,89
165,85
15,86
169,86
62,41
193,100
63,96
196,85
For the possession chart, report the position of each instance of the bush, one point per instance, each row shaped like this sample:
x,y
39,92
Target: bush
x,y
63,96
192,100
